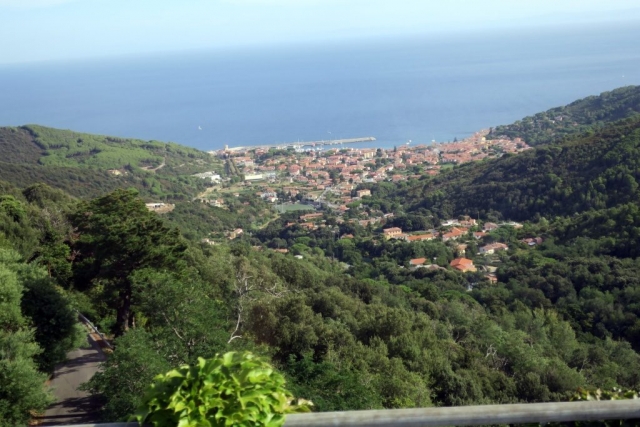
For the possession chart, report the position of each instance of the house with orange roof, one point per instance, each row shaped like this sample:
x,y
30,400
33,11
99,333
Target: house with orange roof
x,y
294,170
420,237
307,217
463,264
454,234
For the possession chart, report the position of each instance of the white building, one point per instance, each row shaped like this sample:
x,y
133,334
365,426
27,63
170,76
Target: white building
x,y
253,177
213,176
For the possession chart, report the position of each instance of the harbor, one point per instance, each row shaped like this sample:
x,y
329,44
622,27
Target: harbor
x,y
301,145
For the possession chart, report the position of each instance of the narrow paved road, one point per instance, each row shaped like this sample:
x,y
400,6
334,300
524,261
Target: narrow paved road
x,y
72,405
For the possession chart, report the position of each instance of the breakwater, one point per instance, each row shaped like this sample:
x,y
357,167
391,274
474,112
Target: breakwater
x,y
303,144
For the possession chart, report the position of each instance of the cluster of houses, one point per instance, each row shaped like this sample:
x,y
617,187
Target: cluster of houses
x,y
339,174
478,147
452,230
459,229
356,165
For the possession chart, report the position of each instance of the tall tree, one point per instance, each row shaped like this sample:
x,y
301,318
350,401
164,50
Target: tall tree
x,y
117,236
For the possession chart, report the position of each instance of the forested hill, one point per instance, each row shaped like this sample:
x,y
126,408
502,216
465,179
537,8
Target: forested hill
x,y
87,165
375,336
348,321
595,170
557,123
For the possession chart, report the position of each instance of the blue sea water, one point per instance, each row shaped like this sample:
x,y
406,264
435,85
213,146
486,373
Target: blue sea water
x,y
420,89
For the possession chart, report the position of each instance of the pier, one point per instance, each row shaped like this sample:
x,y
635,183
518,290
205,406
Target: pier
x,y
301,144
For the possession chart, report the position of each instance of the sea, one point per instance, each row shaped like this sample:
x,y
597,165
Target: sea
x,y
415,89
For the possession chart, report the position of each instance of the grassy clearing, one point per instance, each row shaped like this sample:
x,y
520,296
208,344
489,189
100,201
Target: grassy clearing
x,y
294,207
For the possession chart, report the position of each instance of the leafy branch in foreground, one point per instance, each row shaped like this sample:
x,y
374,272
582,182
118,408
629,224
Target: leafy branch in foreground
x,y
235,389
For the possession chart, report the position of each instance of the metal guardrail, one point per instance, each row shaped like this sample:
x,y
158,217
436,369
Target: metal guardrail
x,y
474,415
95,328
461,415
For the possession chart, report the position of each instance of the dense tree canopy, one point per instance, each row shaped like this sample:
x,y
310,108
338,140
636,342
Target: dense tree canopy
x,y
584,114
595,170
21,385
343,313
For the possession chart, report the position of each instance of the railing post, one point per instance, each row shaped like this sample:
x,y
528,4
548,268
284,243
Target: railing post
x,y
87,322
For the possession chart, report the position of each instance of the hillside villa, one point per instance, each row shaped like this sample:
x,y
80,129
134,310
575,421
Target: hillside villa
x,y
392,233
493,247
463,264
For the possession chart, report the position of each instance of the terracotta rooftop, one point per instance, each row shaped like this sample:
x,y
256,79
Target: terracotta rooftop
x,y
461,262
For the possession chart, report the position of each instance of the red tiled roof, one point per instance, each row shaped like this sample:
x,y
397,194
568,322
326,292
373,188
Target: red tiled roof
x,y
461,262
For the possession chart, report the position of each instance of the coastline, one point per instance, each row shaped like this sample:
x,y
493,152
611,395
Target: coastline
x,y
299,144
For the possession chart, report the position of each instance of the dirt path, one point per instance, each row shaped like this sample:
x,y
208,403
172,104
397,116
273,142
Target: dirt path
x,y
72,405
150,169
163,164
206,192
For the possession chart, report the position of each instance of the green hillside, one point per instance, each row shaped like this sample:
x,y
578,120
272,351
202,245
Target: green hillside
x,y
594,170
87,165
374,336
344,314
557,123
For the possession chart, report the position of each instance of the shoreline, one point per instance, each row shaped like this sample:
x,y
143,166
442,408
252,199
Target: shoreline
x,y
298,144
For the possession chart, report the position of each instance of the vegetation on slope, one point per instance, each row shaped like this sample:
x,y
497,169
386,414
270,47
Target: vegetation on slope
x,y
595,170
21,384
587,113
37,325
68,148
347,321
375,336
86,165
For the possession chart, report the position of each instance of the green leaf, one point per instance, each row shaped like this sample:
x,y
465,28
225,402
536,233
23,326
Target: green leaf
x,y
235,389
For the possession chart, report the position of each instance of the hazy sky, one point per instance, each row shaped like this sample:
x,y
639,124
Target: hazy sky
x,y
33,30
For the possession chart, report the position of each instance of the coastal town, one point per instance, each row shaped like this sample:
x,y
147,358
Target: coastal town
x,y
289,175
332,190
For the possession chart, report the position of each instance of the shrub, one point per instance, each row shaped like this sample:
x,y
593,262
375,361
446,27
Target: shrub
x,y
235,389
598,394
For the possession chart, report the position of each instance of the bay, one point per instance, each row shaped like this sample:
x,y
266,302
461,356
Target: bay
x,y
421,89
